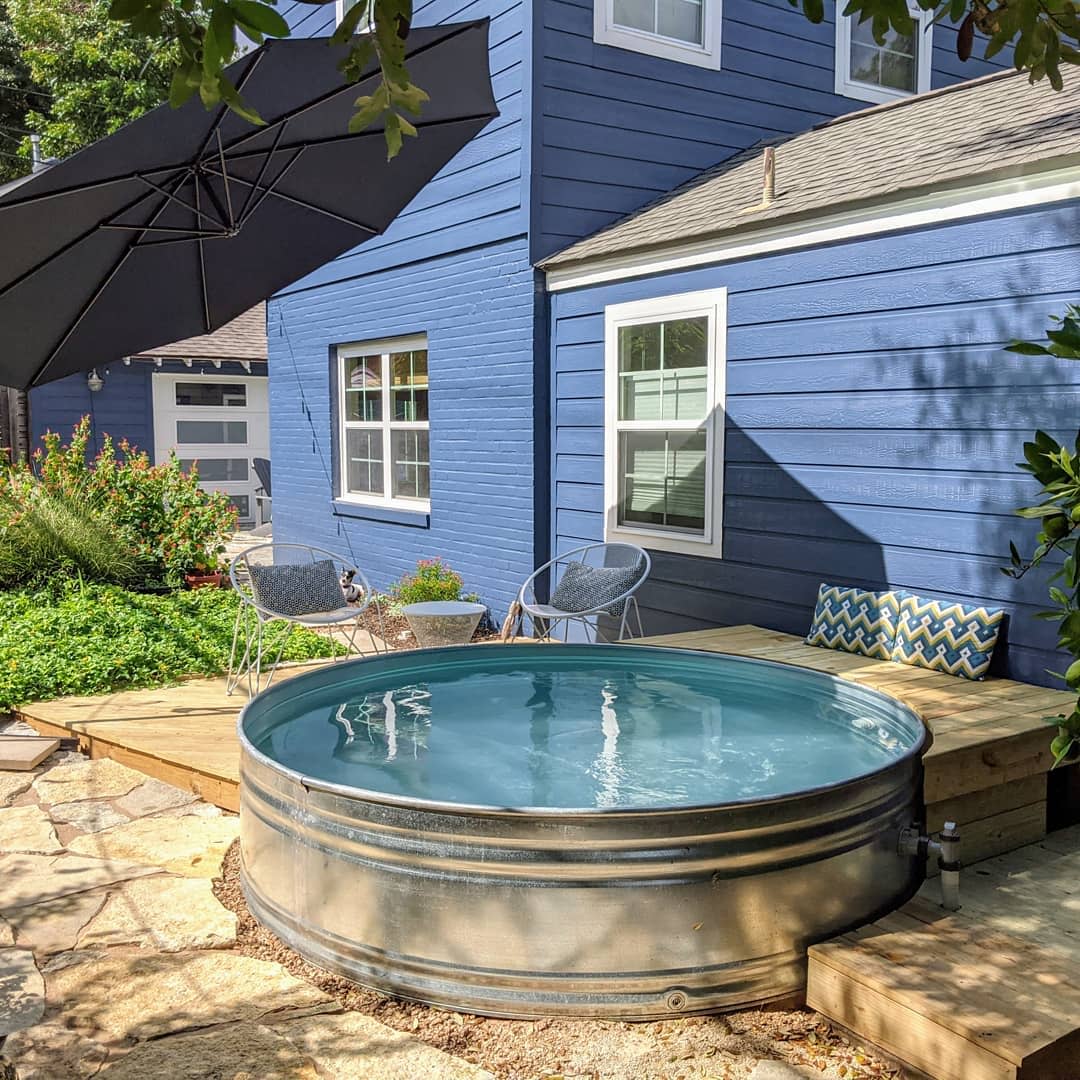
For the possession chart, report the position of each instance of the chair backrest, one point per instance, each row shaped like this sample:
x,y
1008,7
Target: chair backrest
x,y
282,554
614,554
262,471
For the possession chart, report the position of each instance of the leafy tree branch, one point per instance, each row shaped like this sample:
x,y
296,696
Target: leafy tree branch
x,y
1057,468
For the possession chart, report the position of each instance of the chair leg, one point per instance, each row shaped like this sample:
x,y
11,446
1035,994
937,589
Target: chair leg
x,y
280,652
637,615
239,668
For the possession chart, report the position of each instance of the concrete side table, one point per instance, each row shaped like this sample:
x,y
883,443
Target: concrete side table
x,y
443,622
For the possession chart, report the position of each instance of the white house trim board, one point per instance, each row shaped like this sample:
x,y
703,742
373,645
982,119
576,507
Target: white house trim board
x,y
712,303
937,208
607,32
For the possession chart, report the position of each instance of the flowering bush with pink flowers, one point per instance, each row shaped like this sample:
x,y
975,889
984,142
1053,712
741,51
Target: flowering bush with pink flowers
x,y
114,517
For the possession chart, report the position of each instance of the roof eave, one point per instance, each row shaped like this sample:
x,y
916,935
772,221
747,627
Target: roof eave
x,y
1050,180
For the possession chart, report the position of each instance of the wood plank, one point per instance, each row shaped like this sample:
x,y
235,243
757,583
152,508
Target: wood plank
x,y
1002,757
976,805
898,1029
1000,833
21,753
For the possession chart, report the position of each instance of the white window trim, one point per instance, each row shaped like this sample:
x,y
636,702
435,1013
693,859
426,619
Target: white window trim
x,y
607,32
378,348
711,303
846,86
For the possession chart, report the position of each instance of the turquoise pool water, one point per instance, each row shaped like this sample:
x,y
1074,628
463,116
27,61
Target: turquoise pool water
x,y
579,727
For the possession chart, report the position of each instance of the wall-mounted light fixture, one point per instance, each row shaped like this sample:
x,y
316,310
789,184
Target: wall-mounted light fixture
x,y
94,382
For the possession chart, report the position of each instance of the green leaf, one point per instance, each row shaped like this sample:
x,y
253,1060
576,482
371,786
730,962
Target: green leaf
x,y
1061,747
1072,674
410,98
220,41
368,109
392,133
1027,348
1038,511
235,102
181,88
126,9
260,17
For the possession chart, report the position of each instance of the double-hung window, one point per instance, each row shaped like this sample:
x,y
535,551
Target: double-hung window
x,y
683,30
898,67
383,421
664,422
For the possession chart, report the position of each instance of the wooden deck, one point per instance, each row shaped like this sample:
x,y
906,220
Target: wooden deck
x,y
183,734
990,992
986,768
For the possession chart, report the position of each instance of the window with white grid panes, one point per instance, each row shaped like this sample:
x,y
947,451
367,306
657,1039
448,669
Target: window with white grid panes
x,y
383,410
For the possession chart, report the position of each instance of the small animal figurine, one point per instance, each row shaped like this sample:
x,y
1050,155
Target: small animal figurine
x,y
352,592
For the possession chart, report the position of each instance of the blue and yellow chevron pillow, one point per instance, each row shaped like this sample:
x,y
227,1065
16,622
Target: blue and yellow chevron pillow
x,y
856,621
945,636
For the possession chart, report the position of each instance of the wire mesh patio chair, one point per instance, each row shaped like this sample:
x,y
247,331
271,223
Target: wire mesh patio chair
x,y
596,580
299,585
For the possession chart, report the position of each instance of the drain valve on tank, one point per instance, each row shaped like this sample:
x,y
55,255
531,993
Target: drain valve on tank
x,y
946,846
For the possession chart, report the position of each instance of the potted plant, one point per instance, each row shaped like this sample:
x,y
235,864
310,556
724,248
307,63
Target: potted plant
x,y
204,573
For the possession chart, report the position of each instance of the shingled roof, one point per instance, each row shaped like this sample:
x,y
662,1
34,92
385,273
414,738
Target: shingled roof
x,y
996,126
242,339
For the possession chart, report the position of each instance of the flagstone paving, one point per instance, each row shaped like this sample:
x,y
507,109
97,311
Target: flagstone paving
x,y
117,959
119,962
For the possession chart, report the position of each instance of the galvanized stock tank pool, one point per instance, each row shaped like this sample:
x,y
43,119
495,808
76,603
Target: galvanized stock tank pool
x,y
598,830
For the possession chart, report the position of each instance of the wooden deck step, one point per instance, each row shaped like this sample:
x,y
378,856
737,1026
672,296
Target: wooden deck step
x,y
991,992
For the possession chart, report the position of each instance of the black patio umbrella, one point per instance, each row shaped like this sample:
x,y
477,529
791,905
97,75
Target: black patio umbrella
x,y
185,218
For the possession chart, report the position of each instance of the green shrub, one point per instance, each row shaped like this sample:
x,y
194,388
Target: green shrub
x,y
74,638
43,534
161,524
433,580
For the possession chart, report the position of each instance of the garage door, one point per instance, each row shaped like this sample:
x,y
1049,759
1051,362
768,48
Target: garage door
x,y
220,421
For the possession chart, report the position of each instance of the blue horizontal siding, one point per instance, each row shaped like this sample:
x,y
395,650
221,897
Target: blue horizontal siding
x,y
873,422
480,196
477,309
122,408
617,127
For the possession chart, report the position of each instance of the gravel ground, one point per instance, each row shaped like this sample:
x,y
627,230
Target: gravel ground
x,y
691,1048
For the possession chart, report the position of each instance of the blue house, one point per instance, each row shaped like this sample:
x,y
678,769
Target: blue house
x,y
449,388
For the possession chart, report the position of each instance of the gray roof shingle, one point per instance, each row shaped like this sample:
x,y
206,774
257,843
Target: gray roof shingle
x,y
999,125
242,339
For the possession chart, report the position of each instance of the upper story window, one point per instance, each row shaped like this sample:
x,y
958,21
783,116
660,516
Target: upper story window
x,y
900,66
683,30
664,423
383,423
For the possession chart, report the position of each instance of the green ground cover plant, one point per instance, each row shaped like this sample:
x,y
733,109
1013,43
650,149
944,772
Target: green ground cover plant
x,y
75,638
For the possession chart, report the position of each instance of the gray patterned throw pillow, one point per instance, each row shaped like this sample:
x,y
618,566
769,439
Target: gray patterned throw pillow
x,y
592,588
297,588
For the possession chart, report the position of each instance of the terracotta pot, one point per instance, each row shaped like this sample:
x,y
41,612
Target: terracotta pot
x,y
199,581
